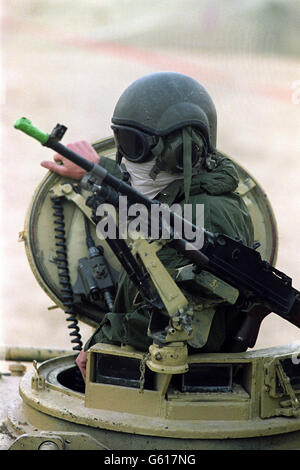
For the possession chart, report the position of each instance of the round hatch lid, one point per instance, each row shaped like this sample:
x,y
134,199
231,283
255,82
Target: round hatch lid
x,y
43,222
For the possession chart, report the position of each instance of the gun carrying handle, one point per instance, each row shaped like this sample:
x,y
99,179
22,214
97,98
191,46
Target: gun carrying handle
x,y
248,332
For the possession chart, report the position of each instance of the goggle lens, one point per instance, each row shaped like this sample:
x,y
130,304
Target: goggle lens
x,y
131,144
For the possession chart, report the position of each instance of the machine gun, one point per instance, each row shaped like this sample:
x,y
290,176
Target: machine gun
x,y
262,289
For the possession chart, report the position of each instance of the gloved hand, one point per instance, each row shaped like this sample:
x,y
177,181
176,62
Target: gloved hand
x,y
64,167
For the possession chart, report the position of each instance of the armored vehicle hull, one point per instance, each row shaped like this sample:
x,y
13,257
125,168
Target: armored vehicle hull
x,y
233,401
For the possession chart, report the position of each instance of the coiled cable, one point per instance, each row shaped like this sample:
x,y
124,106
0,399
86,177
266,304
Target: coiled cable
x,y
63,272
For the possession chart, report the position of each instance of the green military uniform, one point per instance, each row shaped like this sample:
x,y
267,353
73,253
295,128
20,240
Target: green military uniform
x,y
224,212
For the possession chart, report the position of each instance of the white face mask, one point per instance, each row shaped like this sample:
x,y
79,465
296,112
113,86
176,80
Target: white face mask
x,y
141,181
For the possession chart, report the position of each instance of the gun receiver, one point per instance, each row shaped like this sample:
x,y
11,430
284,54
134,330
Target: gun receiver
x,y
262,288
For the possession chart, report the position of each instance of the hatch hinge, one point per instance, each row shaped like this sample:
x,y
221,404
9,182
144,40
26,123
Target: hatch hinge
x,y
67,190
38,382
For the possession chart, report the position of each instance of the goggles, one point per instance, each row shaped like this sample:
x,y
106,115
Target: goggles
x,y
133,144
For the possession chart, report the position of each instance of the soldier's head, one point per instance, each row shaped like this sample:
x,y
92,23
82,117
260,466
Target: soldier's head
x,y
168,119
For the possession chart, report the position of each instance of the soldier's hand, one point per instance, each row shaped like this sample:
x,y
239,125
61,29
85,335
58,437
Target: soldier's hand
x,y
64,167
81,363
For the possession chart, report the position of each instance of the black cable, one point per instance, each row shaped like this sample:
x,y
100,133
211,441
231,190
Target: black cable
x,y
63,273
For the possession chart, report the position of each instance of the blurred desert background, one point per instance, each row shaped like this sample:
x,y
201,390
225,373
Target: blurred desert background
x,y
68,61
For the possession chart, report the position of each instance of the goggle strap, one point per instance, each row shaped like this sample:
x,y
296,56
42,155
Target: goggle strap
x,y
156,151
187,161
197,139
118,158
158,148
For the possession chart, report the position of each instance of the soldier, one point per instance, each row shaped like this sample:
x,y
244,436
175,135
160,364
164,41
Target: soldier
x,y
165,130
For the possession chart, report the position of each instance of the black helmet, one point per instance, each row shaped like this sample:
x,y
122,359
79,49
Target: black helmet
x,y
163,102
